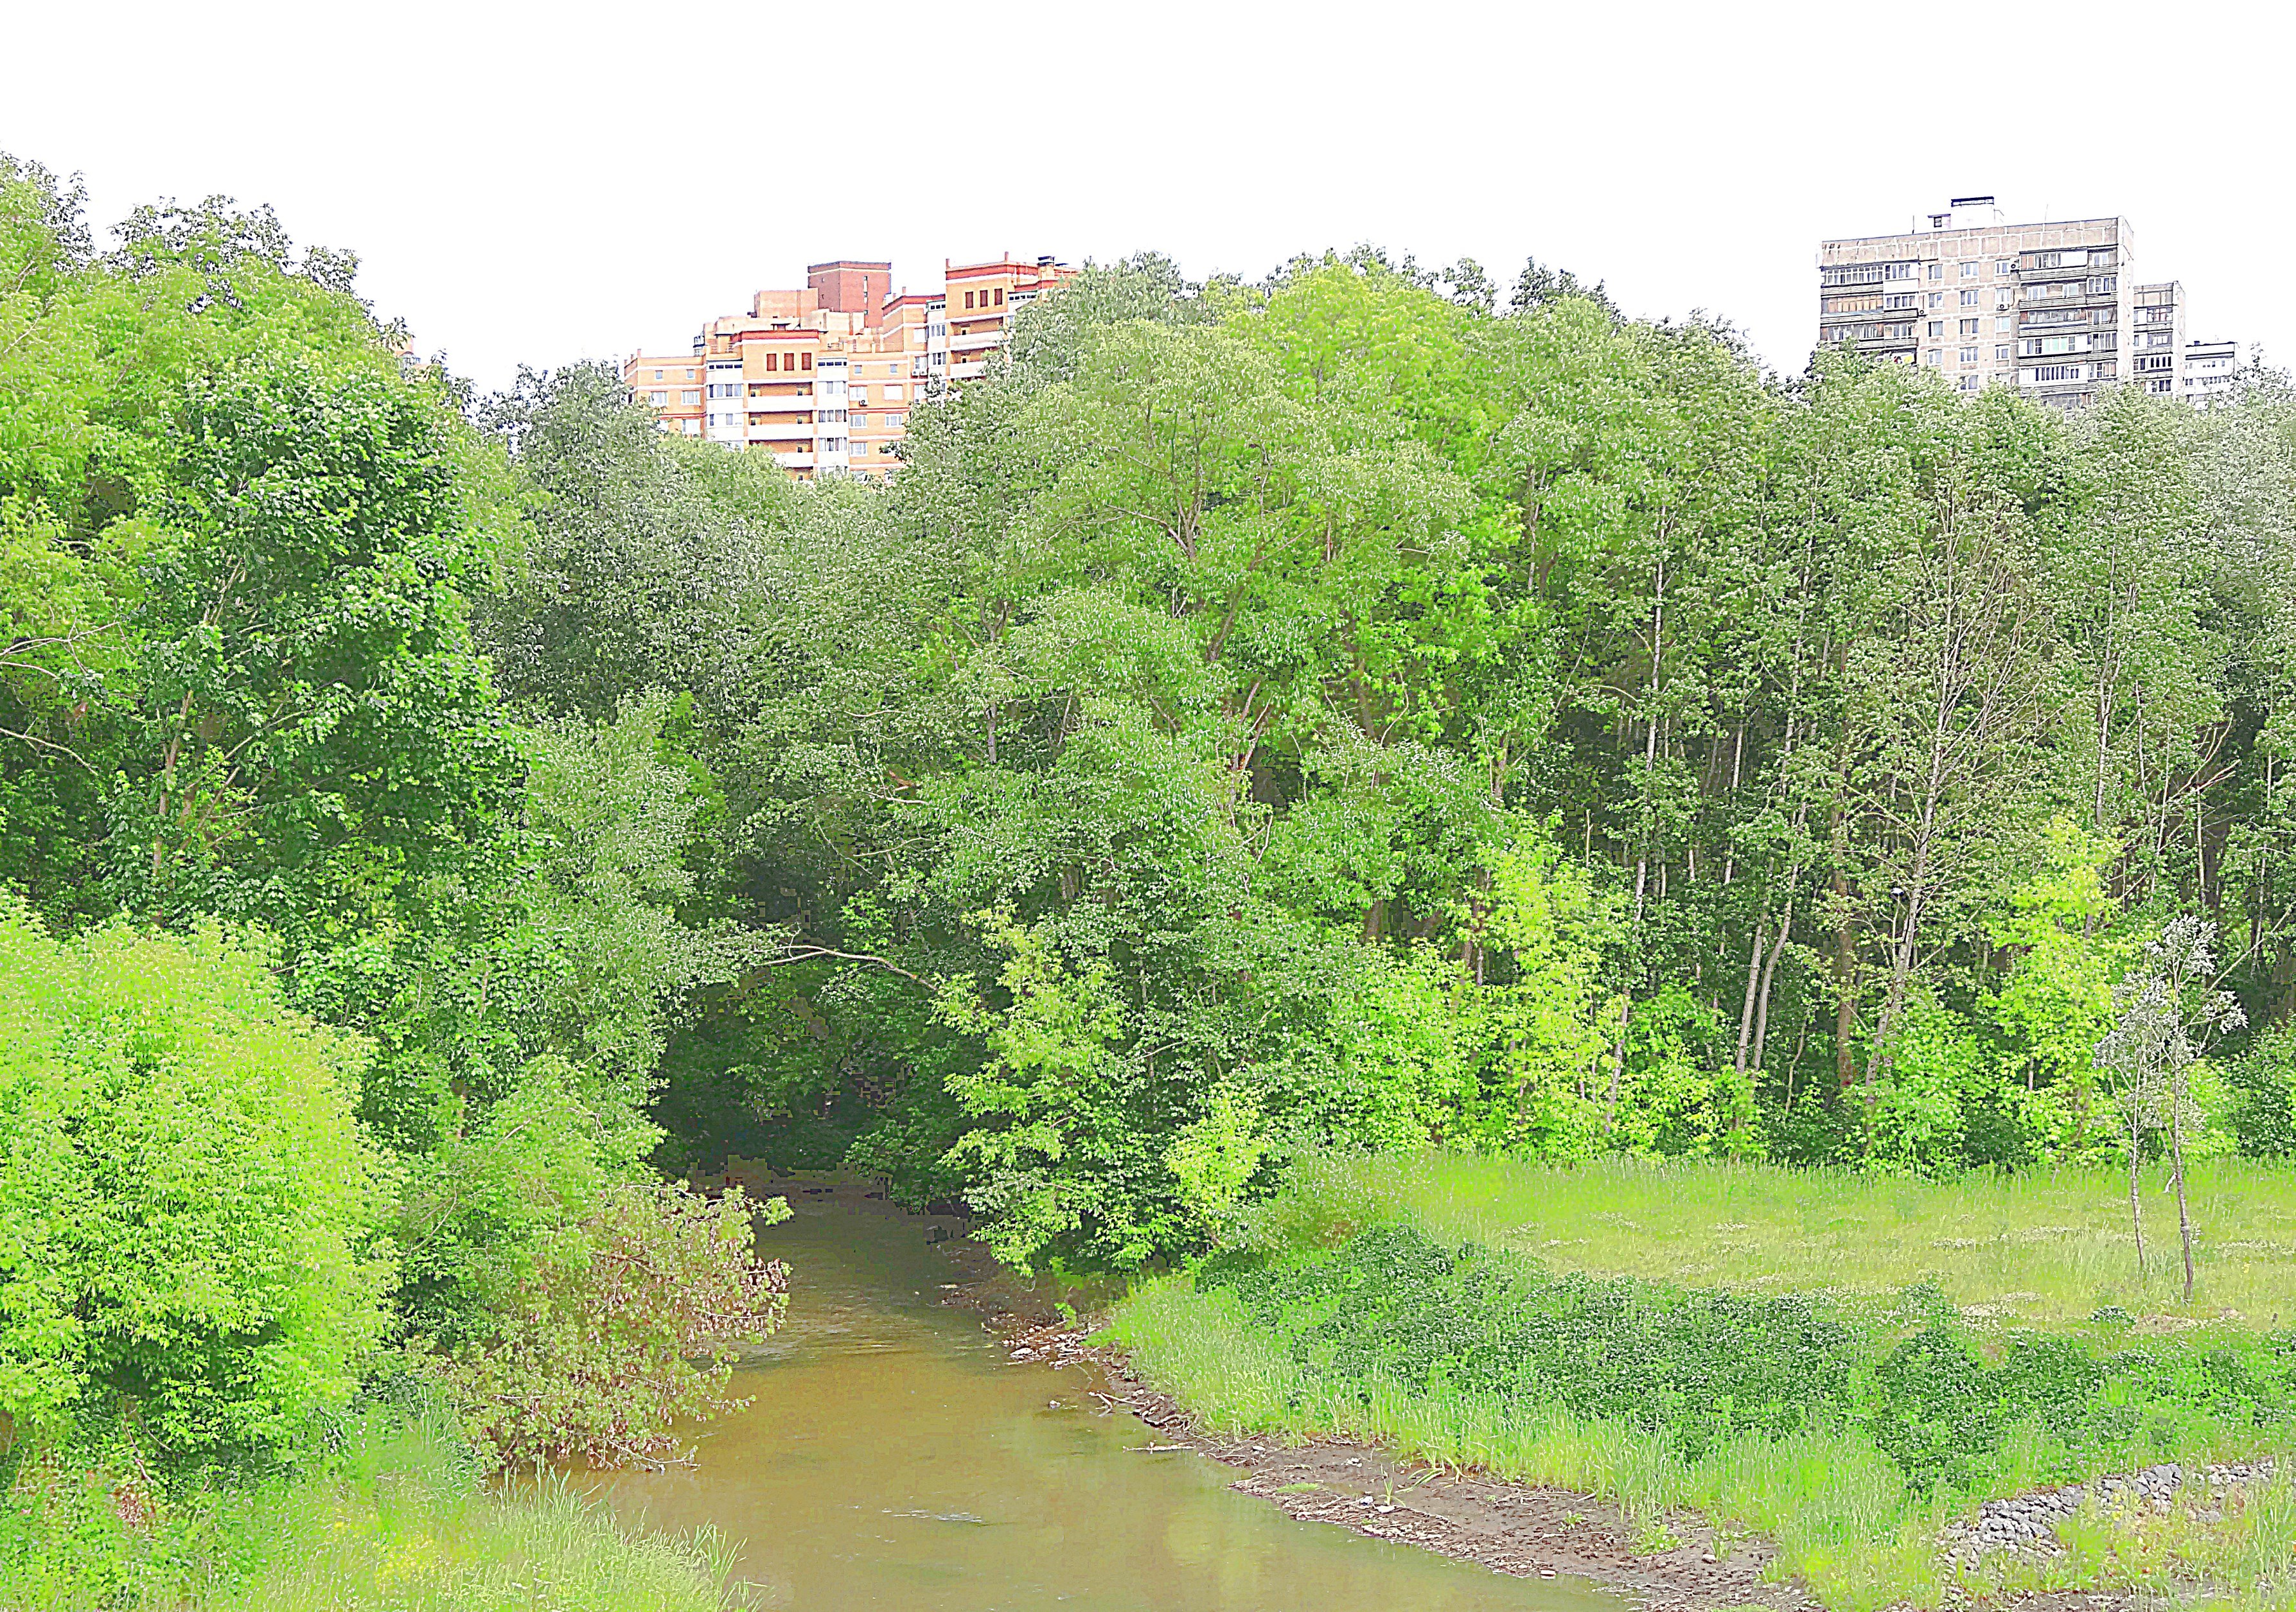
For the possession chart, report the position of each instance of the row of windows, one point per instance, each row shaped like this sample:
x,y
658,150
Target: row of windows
x,y
984,298
1969,355
683,375
2004,268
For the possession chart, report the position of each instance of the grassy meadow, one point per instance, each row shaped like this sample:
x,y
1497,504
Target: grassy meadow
x,y
2043,1248
1844,1365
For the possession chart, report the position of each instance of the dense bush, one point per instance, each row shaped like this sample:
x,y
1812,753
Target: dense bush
x,y
625,1322
188,1214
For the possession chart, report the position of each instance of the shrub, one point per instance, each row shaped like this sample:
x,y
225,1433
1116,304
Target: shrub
x,y
625,1324
186,1207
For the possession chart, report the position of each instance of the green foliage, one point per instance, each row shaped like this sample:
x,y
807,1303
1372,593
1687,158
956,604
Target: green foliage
x,y
187,1214
2261,1086
1703,1366
397,1519
625,1321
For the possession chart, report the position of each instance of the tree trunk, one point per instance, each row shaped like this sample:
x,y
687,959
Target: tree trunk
x,y
1753,983
1770,976
1618,1069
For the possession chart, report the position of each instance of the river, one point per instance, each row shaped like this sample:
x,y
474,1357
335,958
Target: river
x,y
893,1458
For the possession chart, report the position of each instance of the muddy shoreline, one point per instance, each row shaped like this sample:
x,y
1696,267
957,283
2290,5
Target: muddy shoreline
x,y
1523,1530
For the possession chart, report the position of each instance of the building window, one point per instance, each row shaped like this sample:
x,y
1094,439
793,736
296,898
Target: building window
x,y
657,374
692,397
2001,354
808,361
1969,355
968,299
1969,383
1969,299
1969,326
1969,270
1000,296
2004,324
659,399
1937,298
1937,271
1936,357
1936,328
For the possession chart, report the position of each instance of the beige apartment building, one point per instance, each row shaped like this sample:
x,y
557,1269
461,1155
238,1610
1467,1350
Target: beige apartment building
x,y
824,377
2049,308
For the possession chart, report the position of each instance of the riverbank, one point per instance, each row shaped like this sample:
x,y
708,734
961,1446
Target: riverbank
x,y
397,1521
1836,1444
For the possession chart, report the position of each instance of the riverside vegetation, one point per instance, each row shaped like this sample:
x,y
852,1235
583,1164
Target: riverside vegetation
x,y
1754,1345
1356,714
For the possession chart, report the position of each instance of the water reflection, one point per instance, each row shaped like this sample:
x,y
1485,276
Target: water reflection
x,y
893,1458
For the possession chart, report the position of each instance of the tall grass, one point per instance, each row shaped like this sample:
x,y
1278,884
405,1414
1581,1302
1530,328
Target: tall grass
x,y
2014,1254
398,1523
1839,1510
2044,1249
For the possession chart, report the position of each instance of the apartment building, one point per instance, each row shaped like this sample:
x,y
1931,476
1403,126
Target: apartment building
x,y
2049,308
2210,372
824,377
2157,348
671,386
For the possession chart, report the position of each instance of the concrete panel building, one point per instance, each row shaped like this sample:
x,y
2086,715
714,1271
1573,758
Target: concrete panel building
x,y
2049,308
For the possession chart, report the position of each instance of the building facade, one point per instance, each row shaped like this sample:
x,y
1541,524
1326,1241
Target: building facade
x,y
822,378
2210,372
2049,308
2156,348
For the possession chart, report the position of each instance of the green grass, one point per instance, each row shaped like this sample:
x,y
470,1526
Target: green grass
x,y
1731,1341
399,1524
2045,1249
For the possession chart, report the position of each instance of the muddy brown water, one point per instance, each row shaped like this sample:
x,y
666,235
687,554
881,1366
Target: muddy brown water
x,y
892,1457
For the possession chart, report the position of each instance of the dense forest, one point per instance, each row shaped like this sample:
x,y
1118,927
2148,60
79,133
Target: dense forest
x,y
1362,710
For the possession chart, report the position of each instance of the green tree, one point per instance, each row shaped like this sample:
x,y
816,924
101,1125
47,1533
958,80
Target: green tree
x,y
187,1211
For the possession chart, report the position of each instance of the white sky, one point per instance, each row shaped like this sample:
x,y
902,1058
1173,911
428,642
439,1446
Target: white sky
x,y
536,184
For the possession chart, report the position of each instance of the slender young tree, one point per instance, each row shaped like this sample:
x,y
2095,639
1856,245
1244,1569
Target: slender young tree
x,y
2170,1013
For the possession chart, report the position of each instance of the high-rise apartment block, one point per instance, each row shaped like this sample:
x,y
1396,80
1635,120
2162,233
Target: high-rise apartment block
x,y
2052,309
823,377
2211,371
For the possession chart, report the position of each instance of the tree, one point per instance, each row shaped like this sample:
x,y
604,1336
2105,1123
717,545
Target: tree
x,y
187,1210
2170,1010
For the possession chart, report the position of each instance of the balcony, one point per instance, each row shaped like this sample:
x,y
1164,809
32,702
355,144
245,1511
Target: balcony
x,y
781,430
794,461
978,343
783,403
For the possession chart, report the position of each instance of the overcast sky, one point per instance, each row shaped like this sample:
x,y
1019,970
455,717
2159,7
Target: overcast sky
x,y
536,184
